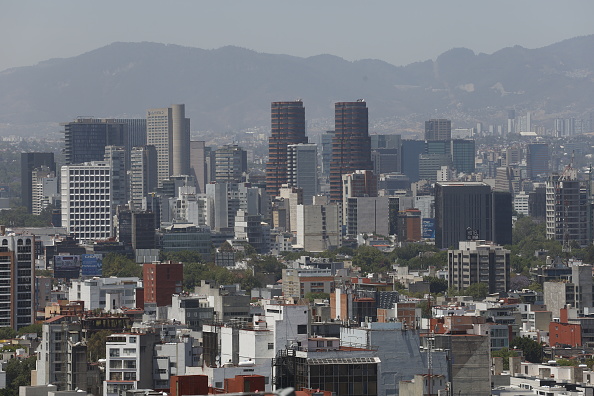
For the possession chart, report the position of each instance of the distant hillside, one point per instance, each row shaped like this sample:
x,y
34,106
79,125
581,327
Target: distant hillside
x,y
230,88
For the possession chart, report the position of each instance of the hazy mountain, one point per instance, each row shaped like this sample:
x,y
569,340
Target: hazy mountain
x,y
232,87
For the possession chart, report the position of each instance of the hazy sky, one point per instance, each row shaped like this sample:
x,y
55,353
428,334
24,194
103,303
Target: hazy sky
x,y
399,32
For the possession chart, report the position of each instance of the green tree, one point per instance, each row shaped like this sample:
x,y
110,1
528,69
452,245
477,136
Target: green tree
x,y
7,333
436,285
317,296
32,328
119,265
18,373
193,273
371,259
478,291
96,345
425,309
532,349
182,256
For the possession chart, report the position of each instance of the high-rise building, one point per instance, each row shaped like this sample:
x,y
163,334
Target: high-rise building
x,y
537,160
168,130
479,262
302,169
85,139
367,215
325,151
30,162
351,145
438,129
385,154
360,183
198,164
45,189
136,131
287,127
86,200
411,150
143,174
17,280
471,211
318,227
115,156
463,155
230,164
567,219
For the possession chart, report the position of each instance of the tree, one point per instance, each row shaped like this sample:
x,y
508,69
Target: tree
x,y
119,265
317,296
519,282
370,259
7,333
18,373
182,256
425,309
32,328
478,291
436,285
96,345
532,349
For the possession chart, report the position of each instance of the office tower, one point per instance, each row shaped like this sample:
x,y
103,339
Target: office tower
x,y
287,127
291,197
367,215
85,139
86,200
385,153
249,228
470,210
115,157
225,199
30,162
360,183
351,145
17,280
325,152
438,129
169,131
302,169
143,174
411,150
479,262
431,164
45,189
537,206
318,227
136,135
537,160
511,121
463,153
230,164
161,280
198,164
567,209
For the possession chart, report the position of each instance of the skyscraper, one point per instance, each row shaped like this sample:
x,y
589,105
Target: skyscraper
x,y
537,160
463,153
168,130
438,129
302,169
351,145
85,138
198,164
287,127
230,164
143,174
86,200
30,162
115,156
17,280
471,211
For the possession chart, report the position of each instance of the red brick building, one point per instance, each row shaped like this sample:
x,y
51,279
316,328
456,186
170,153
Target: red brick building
x,y
161,281
562,333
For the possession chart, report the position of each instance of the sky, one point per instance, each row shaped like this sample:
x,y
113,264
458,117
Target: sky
x,y
398,32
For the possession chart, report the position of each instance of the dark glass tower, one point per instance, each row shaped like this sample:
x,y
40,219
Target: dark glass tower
x,y
439,129
85,139
287,127
351,144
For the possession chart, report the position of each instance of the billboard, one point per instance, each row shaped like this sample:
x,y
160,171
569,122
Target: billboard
x,y
66,267
91,264
428,228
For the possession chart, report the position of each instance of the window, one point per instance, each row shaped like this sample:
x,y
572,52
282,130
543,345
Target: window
x,y
114,352
270,345
301,329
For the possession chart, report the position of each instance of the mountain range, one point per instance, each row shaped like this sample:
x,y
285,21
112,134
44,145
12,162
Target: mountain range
x,y
231,88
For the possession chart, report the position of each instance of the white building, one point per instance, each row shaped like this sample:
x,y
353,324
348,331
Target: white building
x,y
44,189
318,227
521,203
86,200
108,294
